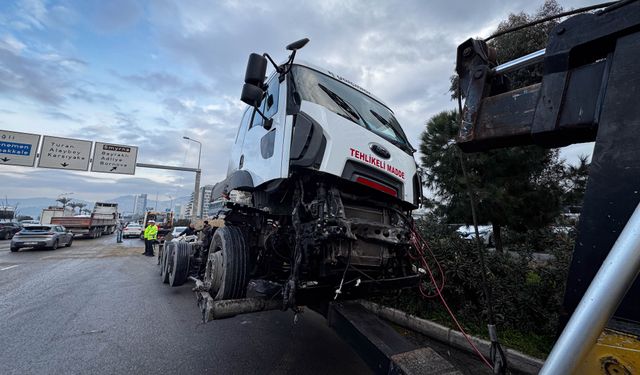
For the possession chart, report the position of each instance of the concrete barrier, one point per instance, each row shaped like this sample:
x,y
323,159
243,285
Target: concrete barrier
x,y
516,360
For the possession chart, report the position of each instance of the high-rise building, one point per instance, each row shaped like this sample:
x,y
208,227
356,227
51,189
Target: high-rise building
x,y
203,201
204,196
188,208
139,205
178,211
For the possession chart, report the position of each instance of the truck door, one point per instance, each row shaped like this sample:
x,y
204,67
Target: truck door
x,y
262,149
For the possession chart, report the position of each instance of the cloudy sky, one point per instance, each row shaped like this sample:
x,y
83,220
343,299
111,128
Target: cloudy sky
x,y
146,73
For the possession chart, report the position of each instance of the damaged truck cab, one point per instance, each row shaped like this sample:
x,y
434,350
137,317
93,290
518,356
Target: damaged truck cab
x,y
320,184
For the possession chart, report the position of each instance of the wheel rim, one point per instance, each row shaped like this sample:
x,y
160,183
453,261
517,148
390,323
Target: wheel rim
x,y
214,272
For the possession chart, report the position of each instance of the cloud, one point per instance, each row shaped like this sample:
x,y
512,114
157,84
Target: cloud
x,y
24,182
57,115
165,82
32,14
147,73
43,78
115,15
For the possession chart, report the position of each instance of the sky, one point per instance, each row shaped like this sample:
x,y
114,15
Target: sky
x,y
147,73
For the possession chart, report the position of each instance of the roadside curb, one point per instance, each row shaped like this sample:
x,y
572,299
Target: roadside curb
x,y
517,360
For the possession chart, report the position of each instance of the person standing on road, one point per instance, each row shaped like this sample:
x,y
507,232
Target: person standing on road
x,y
207,235
119,229
150,236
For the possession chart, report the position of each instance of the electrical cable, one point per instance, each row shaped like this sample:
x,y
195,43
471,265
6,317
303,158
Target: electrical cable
x,y
500,366
344,274
549,18
444,302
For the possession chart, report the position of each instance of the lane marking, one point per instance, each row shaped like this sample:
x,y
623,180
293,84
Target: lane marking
x,y
8,268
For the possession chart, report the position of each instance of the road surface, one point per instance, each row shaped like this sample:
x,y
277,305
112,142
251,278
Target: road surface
x,y
100,308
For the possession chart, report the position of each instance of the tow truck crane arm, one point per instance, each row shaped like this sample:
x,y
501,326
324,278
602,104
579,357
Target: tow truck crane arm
x,y
590,91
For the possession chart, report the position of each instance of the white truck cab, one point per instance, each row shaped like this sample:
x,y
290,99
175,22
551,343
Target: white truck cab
x,y
322,121
321,180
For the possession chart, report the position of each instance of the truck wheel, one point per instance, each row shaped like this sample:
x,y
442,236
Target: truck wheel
x,y
227,270
180,264
167,253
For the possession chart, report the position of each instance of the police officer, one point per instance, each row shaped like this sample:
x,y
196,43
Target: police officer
x,y
150,236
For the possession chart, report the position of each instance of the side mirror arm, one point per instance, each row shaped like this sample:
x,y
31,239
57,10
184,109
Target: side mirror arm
x,y
268,122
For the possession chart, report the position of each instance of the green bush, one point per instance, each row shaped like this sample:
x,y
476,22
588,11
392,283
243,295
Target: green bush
x,y
527,294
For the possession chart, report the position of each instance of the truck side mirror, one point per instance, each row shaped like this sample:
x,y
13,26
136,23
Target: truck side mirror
x,y
252,95
252,91
256,70
298,44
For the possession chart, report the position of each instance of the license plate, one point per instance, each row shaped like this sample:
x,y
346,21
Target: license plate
x,y
30,243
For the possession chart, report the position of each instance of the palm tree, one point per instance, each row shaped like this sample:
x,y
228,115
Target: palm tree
x,y
80,206
73,206
64,200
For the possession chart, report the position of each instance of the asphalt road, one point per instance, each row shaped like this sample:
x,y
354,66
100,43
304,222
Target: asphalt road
x,y
100,308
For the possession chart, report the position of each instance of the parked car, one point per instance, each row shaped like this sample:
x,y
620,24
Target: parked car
x,y
132,230
29,222
8,230
176,231
42,236
468,232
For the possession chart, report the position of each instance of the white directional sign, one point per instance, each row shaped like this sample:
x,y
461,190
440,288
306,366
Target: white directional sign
x,y
18,148
110,158
65,153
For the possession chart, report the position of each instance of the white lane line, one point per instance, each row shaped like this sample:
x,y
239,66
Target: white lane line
x,y
8,268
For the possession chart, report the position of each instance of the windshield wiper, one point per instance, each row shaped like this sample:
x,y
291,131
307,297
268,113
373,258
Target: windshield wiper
x,y
379,117
342,103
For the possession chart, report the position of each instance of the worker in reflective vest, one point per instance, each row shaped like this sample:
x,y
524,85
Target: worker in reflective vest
x,y
150,236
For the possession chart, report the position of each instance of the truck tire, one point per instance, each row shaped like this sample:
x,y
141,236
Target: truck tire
x,y
180,264
167,253
227,271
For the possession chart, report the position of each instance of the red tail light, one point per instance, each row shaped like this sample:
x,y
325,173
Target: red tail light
x,y
377,186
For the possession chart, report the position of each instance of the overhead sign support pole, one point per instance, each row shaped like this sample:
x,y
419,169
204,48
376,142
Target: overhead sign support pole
x,y
172,168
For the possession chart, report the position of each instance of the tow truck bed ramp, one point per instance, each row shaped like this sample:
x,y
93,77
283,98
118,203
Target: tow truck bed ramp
x,y
381,346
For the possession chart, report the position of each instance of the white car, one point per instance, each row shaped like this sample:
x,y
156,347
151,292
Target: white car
x,y
468,232
132,230
176,231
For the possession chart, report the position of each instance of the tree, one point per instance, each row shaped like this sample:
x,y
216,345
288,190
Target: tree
x,y
73,206
574,182
64,201
80,206
517,187
519,43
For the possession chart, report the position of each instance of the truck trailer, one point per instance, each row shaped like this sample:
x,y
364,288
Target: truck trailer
x,y
102,220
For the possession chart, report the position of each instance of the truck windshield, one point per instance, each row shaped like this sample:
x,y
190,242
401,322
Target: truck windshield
x,y
349,103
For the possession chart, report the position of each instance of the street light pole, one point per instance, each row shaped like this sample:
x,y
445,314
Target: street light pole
x,y
196,193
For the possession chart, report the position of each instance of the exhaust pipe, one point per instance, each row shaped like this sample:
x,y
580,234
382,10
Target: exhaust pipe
x,y
212,309
228,308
